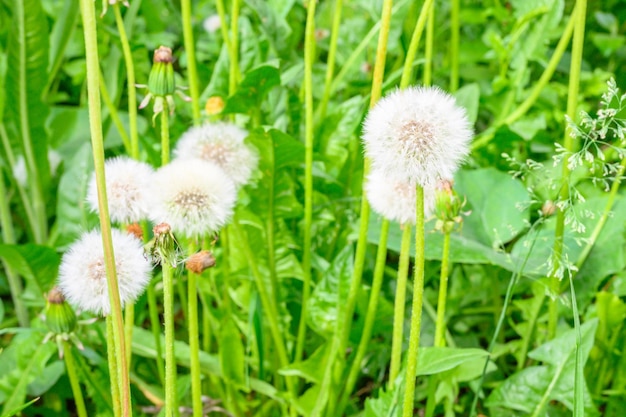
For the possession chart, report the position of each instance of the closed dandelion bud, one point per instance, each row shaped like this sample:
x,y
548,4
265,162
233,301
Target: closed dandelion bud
x,y
164,246
214,105
161,81
448,207
417,133
201,261
60,316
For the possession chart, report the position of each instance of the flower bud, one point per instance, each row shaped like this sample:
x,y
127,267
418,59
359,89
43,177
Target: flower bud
x,y
201,261
448,206
161,81
60,317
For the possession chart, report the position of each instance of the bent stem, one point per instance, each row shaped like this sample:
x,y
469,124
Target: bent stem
x,y
416,313
398,305
73,377
568,144
192,70
95,125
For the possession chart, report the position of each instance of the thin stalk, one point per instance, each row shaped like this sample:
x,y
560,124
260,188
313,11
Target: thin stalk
x,y
115,117
113,369
155,326
330,63
398,306
428,47
171,404
415,40
194,344
416,312
70,367
97,143
568,144
130,77
8,238
309,52
440,326
165,134
370,316
194,85
271,229
221,11
455,28
129,322
234,74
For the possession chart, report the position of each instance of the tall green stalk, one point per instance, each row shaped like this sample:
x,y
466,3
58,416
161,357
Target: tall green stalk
x,y
309,52
115,117
130,77
155,326
194,344
95,124
455,28
165,134
428,47
234,73
330,63
407,70
440,326
568,144
70,367
113,368
171,403
194,87
416,313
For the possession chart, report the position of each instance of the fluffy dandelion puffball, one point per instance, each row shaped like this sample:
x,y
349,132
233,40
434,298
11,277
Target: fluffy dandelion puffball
x,y
417,133
220,143
394,198
82,274
127,183
194,197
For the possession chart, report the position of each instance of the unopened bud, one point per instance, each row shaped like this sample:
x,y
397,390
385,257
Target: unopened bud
x,y
548,208
448,206
60,317
161,81
199,262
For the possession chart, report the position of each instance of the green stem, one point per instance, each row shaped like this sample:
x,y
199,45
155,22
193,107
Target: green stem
x,y
97,143
192,70
440,326
330,63
455,28
271,229
221,11
415,40
73,377
194,344
115,117
416,312
399,305
165,134
171,404
428,48
234,74
129,322
130,76
113,368
155,326
309,51
568,144
370,316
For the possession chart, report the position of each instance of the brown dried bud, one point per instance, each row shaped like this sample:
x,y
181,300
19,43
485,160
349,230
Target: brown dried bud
x,y
198,262
161,229
55,296
163,54
135,230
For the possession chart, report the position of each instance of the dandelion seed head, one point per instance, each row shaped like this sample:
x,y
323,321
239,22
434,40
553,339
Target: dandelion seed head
x,y
222,144
127,183
194,197
82,273
419,133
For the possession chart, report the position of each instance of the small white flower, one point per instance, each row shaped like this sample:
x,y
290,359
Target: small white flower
x,y
19,169
394,198
212,23
222,144
417,133
127,182
193,196
82,275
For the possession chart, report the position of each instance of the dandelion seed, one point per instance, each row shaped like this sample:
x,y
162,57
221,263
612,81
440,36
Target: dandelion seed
x,y
194,197
394,199
82,274
127,183
222,144
418,133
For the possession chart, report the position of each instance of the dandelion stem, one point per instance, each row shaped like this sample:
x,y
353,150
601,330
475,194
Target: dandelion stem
x,y
309,51
194,343
234,74
192,70
115,117
129,322
370,316
95,123
330,63
454,45
130,77
113,368
415,40
428,48
440,326
568,144
399,304
165,134
416,312
171,404
73,377
155,325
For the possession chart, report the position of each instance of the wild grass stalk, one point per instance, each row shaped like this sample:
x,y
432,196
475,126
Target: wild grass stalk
x,y
72,375
192,71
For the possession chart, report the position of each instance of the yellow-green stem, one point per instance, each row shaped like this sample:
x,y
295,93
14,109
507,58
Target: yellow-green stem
x,y
309,50
70,367
171,403
155,326
115,117
194,344
233,77
568,144
455,27
165,134
221,11
428,48
415,40
330,63
97,143
440,326
399,303
113,369
130,77
192,71
129,322
416,312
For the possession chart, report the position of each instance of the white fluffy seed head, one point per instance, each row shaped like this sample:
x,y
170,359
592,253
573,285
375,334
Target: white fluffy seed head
x,y
82,274
417,133
127,182
394,198
194,197
220,143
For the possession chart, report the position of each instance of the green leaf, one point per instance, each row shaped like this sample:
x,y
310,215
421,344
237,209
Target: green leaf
x,y
468,97
232,355
433,360
311,369
252,89
16,410
37,264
